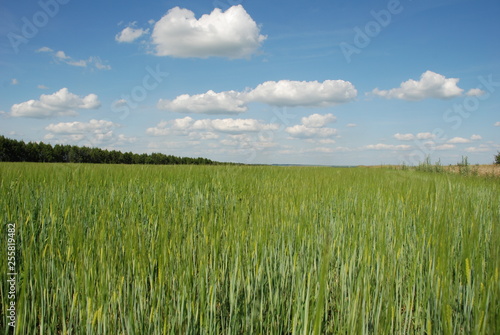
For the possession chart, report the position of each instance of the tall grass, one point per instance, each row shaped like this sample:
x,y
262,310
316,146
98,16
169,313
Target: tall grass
x,y
250,250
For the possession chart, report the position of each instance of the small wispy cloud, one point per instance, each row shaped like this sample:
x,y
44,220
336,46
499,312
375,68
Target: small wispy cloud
x,y
61,57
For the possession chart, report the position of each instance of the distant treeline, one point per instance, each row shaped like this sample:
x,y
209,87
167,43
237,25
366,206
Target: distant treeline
x,y
19,151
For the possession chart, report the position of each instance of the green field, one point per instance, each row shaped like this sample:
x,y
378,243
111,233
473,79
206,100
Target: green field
x,y
119,249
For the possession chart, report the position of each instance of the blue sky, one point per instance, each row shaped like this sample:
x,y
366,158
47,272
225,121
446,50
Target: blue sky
x,y
281,82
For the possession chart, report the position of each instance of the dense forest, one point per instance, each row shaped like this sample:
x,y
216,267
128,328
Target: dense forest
x,y
19,151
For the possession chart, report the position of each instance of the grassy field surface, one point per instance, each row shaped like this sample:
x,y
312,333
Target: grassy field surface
x,y
117,249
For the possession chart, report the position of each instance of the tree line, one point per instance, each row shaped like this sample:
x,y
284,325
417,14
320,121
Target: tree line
x,y
19,151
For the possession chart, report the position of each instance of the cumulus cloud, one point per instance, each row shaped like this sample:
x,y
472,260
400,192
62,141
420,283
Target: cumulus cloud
x,y
459,140
129,34
302,131
60,103
320,141
93,126
207,135
239,125
382,146
187,125
93,132
247,141
430,85
231,34
481,148
497,124
318,120
282,93
475,92
404,137
14,81
313,126
61,55
411,137
303,93
425,136
230,102
444,147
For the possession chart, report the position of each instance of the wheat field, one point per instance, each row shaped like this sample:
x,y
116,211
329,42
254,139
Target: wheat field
x,y
122,249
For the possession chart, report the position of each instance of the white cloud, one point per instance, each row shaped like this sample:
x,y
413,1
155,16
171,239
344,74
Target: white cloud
x,y
122,139
313,126
411,137
208,135
321,141
60,56
93,126
425,136
351,125
444,147
282,93
404,137
481,148
241,125
187,125
247,141
42,87
302,131
303,93
44,49
93,132
476,137
159,130
382,146
232,34
497,124
130,34
79,63
14,81
60,103
459,140
98,63
342,149
119,103
475,92
325,150
318,120
430,85
229,102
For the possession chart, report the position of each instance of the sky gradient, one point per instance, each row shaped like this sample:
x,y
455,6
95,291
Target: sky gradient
x,y
281,82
